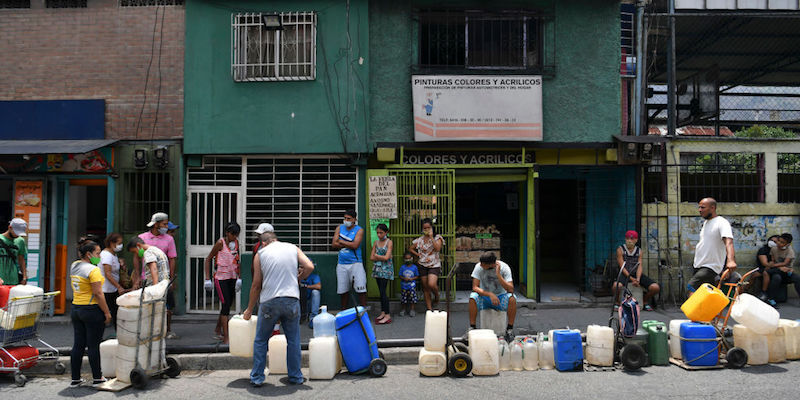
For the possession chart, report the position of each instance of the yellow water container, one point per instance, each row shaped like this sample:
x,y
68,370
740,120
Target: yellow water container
x,y
705,303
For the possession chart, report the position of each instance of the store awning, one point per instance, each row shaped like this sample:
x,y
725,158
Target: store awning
x,y
52,146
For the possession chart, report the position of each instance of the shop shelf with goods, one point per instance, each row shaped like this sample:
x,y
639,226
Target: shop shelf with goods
x,y
471,242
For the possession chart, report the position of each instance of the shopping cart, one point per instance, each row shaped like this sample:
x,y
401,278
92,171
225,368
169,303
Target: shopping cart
x,y
19,327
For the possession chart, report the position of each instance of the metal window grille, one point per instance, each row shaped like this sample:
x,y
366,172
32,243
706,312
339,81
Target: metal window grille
x,y
627,40
146,3
727,177
274,55
15,3
303,198
217,171
65,3
146,193
788,178
481,40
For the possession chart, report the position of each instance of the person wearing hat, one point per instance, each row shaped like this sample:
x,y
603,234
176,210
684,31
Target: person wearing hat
x,y
629,258
157,236
12,253
172,229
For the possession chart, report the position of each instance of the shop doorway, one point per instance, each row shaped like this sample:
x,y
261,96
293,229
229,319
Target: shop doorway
x,y
561,239
487,219
6,211
88,205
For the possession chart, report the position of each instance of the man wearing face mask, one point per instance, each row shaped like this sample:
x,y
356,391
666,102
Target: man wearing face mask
x,y
347,239
157,236
781,272
12,253
714,251
155,262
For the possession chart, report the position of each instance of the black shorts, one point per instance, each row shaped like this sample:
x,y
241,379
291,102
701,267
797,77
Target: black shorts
x,y
644,281
170,299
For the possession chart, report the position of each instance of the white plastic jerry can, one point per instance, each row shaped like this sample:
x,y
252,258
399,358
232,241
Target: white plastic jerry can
x,y
277,355
242,335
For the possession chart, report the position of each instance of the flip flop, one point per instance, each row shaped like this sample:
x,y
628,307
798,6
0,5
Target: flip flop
x,y
384,322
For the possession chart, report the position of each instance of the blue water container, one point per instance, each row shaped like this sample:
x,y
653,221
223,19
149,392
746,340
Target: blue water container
x,y
567,349
702,349
356,340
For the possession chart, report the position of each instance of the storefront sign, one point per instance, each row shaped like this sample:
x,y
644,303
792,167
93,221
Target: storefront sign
x,y
382,197
475,107
28,206
456,157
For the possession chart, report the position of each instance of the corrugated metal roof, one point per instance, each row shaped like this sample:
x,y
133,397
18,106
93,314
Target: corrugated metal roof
x,y
52,146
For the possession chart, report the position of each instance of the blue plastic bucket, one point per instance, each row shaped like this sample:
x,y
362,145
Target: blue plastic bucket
x,y
356,340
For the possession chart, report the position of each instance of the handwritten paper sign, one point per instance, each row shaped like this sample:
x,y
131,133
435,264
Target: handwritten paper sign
x,y
382,197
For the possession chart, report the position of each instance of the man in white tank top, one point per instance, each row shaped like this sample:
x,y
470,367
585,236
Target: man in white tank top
x,y
276,272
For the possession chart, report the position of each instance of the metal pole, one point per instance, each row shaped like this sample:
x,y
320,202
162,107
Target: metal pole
x,y
638,93
671,84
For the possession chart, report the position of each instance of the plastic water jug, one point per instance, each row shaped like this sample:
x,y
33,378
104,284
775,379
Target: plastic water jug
x,y
242,335
567,349
25,291
432,363
435,330
600,345
126,359
128,324
483,351
277,354
530,355
702,351
108,357
792,338
494,320
324,359
504,353
356,339
546,355
154,292
753,344
755,314
675,338
705,303
517,355
776,345
657,343
324,323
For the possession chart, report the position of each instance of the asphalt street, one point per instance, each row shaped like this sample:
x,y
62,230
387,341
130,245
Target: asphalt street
x,y
776,381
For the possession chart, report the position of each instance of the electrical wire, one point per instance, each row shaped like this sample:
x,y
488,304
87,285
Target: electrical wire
x,y
160,53
147,75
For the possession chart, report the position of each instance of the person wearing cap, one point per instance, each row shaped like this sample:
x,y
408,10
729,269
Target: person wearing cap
x,y
13,250
157,236
629,258
172,229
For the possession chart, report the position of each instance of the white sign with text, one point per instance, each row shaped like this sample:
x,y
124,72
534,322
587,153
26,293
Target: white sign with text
x,y
382,197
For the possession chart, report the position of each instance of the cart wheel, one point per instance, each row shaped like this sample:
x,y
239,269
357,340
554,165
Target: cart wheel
x,y
377,367
60,368
381,355
461,347
173,367
737,357
20,379
460,365
633,357
139,378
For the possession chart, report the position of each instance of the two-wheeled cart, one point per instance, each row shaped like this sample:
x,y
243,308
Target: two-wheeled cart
x,y
630,354
459,363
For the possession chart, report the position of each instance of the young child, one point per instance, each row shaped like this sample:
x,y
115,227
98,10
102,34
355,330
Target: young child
x,y
408,287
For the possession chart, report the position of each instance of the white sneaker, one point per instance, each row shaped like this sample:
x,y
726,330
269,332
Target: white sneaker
x,y
412,313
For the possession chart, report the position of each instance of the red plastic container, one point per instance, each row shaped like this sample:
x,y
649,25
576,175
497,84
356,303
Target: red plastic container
x,y
20,353
4,292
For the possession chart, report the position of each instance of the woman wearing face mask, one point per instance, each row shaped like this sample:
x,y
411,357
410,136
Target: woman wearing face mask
x,y
90,312
111,270
383,270
426,248
226,277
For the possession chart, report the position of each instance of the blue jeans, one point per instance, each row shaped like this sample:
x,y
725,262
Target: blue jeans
x,y
314,296
287,311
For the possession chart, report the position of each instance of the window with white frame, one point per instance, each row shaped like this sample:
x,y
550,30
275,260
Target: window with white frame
x,y
267,54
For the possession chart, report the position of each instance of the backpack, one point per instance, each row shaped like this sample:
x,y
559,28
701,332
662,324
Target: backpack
x,y
628,316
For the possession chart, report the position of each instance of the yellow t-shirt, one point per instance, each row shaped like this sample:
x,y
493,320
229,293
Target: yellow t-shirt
x,y
83,274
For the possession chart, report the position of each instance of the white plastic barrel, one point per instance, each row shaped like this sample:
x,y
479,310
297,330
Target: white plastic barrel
x,y
756,315
600,345
530,355
126,359
435,330
29,306
242,335
324,359
128,324
432,363
494,320
483,351
675,338
277,354
108,357
776,344
792,329
753,344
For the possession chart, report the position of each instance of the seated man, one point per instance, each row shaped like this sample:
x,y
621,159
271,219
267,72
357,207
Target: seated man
x,y
492,287
312,286
763,264
782,272
629,258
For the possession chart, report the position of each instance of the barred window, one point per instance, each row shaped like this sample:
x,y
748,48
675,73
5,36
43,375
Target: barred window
x,y
788,178
259,54
217,171
145,3
65,3
727,177
459,39
146,193
15,3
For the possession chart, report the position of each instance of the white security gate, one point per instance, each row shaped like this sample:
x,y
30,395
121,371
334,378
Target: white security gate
x,y
209,209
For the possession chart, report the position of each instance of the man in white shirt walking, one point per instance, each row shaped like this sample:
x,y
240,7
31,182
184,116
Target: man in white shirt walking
x,y
714,251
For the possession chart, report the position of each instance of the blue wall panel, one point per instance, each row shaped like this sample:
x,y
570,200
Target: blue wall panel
x,y
52,119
